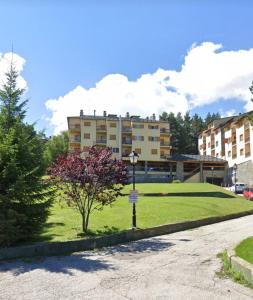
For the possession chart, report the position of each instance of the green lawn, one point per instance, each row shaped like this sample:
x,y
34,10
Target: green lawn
x,y
175,203
245,249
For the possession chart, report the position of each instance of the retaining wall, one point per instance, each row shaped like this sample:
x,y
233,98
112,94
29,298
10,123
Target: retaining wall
x,y
60,248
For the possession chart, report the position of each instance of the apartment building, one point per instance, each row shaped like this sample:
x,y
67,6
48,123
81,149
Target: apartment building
x,y
149,137
231,139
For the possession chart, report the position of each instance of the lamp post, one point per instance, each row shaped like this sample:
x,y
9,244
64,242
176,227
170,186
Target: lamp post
x,y
212,173
133,156
235,169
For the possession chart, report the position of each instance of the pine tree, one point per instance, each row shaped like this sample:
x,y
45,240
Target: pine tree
x,y
24,197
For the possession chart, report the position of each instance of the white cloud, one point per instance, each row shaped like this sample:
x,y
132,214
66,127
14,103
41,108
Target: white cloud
x,y
228,113
208,74
18,62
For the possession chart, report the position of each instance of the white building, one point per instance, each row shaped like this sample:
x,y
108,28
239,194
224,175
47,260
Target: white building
x,y
231,139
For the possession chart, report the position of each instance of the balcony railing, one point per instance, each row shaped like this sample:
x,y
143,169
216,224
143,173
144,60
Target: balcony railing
x,y
126,142
101,128
165,144
126,129
125,154
75,140
101,141
247,154
74,127
164,131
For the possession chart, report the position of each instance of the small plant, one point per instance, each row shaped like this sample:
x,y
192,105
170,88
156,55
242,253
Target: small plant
x,y
228,271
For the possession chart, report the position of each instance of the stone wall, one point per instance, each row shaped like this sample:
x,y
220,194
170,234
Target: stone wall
x,y
245,172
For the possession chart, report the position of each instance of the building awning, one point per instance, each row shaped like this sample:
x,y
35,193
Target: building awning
x,y
195,158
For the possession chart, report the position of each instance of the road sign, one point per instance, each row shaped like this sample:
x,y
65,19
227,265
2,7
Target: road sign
x,y
133,197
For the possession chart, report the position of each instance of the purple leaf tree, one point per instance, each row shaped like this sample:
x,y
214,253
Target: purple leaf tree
x,y
89,181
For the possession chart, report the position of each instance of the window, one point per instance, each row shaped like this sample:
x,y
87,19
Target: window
x,y
86,135
217,143
154,151
241,152
209,144
76,125
115,150
85,149
229,153
77,138
154,138
138,137
86,123
112,137
113,125
241,137
138,150
153,127
138,126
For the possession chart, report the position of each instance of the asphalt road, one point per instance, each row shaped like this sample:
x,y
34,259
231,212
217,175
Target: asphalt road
x,y
177,266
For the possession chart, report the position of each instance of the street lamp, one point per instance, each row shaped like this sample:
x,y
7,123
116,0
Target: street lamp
x,y
235,169
133,156
212,173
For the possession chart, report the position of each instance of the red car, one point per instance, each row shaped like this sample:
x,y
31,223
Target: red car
x,y
248,193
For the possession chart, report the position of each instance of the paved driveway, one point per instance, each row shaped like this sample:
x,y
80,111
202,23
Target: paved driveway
x,y
176,266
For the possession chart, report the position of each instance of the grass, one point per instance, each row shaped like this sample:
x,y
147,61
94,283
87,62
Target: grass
x,y
158,204
228,271
245,250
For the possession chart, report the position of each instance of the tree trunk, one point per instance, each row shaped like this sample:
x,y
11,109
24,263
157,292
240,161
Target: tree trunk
x,y
85,222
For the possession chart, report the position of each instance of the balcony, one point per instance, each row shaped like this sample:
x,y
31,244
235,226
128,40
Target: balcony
x,y
247,139
165,144
101,141
126,142
164,131
101,128
125,154
76,139
126,129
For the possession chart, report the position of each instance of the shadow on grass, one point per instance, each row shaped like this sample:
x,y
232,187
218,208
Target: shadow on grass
x,y
61,264
188,194
100,232
42,237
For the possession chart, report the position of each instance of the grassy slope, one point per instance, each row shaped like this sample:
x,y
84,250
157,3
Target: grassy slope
x,y
184,202
245,250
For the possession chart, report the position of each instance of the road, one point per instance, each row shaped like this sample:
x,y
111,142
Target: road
x,y
182,265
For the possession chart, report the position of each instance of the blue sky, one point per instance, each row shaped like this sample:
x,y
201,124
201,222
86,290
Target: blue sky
x,y
67,44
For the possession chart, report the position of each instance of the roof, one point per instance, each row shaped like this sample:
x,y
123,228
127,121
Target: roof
x,y
195,157
115,117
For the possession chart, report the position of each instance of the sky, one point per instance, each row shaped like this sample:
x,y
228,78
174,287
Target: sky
x,y
141,57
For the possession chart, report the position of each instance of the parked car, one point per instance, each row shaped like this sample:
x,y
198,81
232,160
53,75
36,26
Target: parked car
x,y
248,193
238,188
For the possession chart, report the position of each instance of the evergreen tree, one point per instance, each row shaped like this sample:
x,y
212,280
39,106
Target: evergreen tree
x,y
211,117
24,197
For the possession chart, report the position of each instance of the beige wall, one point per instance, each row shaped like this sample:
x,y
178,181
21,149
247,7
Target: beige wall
x,y
104,136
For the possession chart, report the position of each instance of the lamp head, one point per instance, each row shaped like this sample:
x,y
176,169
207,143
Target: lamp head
x,y
133,156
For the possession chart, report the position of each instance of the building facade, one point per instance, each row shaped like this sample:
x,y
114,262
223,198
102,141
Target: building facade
x,y
150,138
230,139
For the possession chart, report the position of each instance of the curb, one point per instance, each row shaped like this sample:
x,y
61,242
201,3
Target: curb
x,y
63,248
240,265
